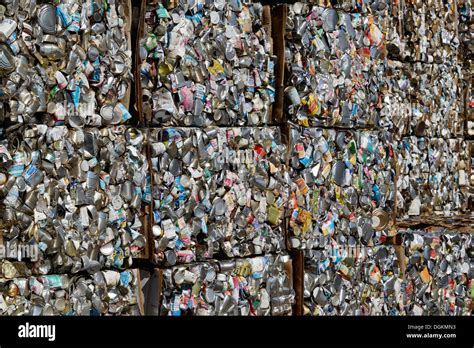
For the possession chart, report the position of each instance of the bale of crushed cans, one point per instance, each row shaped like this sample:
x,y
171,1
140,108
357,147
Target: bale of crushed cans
x,y
342,184
79,195
66,62
239,287
217,192
206,63
101,293
369,281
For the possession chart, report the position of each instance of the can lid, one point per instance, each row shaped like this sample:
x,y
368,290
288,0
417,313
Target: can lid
x,y
107,112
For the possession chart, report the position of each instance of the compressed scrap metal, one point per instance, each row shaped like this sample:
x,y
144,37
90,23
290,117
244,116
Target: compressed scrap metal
x,y
368,281
218,192
414,194
437,100
434,177
397,109
243,287
466,32
423,99
439,273
102,293
78,195
422,42
364,6
469,105
343,184
427,31
341,280
470,145
336,67
449,175
207,63
65,62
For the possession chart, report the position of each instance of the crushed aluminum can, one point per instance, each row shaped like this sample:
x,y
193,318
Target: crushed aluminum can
x,y
343,185
217,192
259,286
207,63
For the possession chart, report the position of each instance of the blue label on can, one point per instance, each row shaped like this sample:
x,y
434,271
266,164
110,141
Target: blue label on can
x,y
30,171
125,278
63,16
